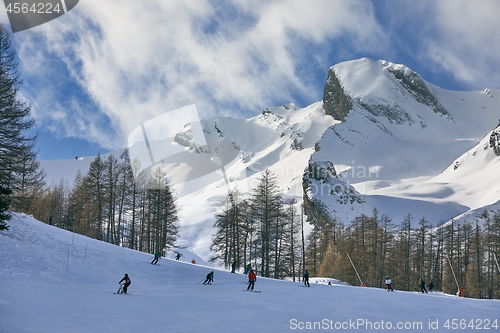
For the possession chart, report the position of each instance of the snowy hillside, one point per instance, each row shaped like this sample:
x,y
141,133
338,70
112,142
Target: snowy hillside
x,y
398,132
381,138
54,281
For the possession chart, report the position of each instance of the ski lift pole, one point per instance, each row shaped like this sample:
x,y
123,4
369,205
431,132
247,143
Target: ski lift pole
x,y
454,276
498,267
362,284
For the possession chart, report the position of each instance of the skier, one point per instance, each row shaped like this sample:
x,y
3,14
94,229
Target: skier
x,y
126,284
422,286
210,278
178,256
388,284
248,269
157,256
193,261
252,277
306,278
431,286
233,267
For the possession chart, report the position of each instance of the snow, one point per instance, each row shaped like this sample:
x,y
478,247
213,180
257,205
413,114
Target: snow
x,y
56,281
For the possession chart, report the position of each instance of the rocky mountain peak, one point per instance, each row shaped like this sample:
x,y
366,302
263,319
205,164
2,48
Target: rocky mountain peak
x,y
377,86
335,101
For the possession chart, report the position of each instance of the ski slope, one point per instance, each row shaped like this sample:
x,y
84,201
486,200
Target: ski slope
x,y
55,281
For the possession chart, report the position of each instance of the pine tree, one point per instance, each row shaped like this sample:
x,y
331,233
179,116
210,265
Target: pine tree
x,y
128,189
161,213
232,231
30,180
94,192
110,185
18,165
492,248
267,205
292,245
473,279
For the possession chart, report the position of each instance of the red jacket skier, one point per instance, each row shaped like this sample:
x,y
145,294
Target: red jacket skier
x,y
252,277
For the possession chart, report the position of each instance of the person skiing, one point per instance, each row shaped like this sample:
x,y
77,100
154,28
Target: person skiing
x,y
431,286
233,267
193,261
157,256
252,277
422,286
306,278
126,284
210,278
177,256
248,269
388,284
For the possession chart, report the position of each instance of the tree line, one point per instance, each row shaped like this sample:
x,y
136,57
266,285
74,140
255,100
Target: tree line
x,y
115,203
452,255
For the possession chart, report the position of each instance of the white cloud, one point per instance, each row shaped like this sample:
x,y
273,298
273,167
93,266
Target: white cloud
x,y
465,42
137,59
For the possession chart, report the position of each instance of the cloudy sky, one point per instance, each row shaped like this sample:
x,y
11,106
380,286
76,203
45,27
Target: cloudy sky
x,y
105,67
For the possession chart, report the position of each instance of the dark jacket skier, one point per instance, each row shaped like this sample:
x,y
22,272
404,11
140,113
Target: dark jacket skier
x,y
306,278
157,256
233,267
126,284
252,277
210,278
422,286
247,269
431,286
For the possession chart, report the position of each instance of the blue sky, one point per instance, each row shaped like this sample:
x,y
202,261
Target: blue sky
x,y
99,71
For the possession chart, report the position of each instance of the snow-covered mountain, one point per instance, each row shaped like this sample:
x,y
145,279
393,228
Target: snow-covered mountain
x,y
398,134
381,138
56,281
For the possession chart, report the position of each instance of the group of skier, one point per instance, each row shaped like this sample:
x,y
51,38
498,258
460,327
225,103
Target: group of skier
x,y
388,284
252,277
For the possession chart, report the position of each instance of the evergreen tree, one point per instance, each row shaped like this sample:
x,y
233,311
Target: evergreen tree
x,y
134,187
232,231
492,248
474,277
112,173
292,245
267,205
161,213
18,165
94,194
